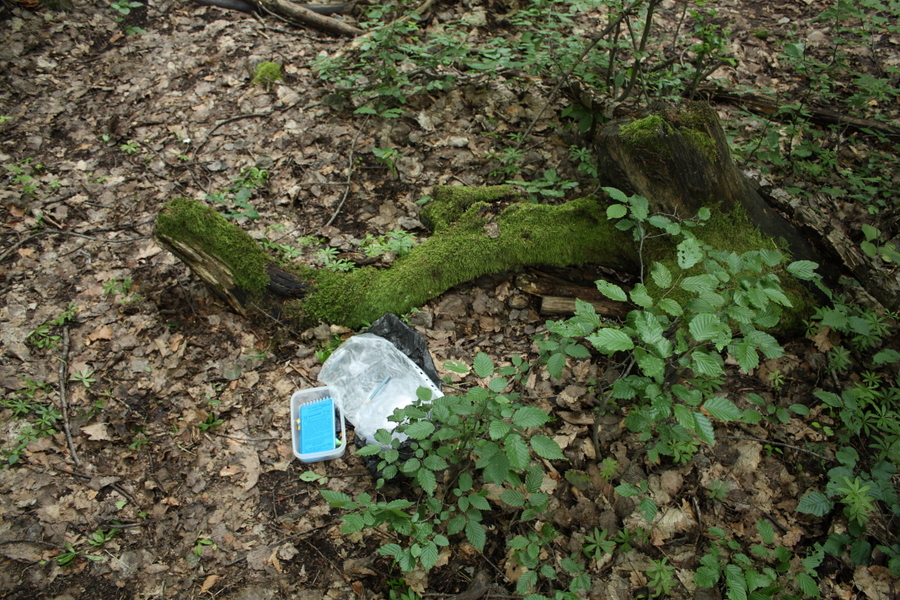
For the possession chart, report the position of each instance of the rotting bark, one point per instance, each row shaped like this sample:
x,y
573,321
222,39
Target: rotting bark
x,y
300,14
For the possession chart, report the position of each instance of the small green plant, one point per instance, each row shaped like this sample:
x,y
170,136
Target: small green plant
x,y
130,147
67,556
597,545
397,242
387,156
237,197
100,537
313,477
608,468
44,336
210,423
202,543
549,185
329,260
84,377
718,490
485,437
660,577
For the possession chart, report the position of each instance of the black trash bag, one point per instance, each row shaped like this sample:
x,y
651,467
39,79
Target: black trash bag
x,y
407,341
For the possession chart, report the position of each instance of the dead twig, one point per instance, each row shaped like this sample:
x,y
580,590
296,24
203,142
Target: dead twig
x,y
43,232
349,174
63,402
774,443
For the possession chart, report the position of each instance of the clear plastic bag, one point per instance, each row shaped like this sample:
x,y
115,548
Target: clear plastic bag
x,y
372,378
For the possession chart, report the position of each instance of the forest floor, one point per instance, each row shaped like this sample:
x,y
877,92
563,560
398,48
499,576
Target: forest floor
x,y
180,481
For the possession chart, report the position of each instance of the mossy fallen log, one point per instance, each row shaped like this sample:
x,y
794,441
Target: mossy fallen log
x,y
476,231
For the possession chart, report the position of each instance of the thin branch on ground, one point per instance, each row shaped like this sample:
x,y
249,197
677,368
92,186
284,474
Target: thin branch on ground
x,y
63,402
773,443
43,232
349,174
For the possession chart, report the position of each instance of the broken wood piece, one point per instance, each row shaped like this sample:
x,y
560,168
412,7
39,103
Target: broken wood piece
x,y
297,13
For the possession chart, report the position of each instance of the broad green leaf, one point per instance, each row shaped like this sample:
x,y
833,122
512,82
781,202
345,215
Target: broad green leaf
x,y
705,430
640,296
391,550
707,364
689,253
434,462
456,524
722,409
513,498
353,522
338,499
420,430
616,211
534,478
497,469
616,194
870,232
648,509
479,502
545,447
555,365
497,429
517,452
706,577
860,552
427,481
626,490
808,585
705,327
886,357
661,275
772,258
577,351
803,269
456,366
648,327
704,214
671,307
815,503
766,531
609,340
369,450
464,482
611,290
735,583
650,365
498,384
429,556
483,365
529,416
640,208
475,534
685,417
699,283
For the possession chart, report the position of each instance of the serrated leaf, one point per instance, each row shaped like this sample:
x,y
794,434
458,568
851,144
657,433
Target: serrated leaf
x,y
369,450
529,416
475,534
513,498
434,462
483,365
815,503
766,531
745,354
807,585
517,452
689,253
705,430
429,556
577,351
722,409
870,232
427,480
650,365
393,550
616,211
498,384
735,583
456,366
648,509
627,490
671,307
707,364
803,269
610,340
546,447
860,552
338,499
534,477
640,296
661,275
611,290
497,429
705,327
699,284
420,430
555,365
479,502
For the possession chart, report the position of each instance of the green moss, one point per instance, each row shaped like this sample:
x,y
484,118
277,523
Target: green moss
x,y
701,141
186,224
266,74
451,201
645,131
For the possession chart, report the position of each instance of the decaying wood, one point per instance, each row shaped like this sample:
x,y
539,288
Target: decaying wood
x,y
832,235
558,295
296,12
763,105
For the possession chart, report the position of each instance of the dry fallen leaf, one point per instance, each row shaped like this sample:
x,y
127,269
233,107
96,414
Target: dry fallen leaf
x,y
104,332
208,583
97,432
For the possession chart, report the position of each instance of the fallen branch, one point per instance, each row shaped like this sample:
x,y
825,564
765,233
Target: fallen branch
x,y
63,402
300,14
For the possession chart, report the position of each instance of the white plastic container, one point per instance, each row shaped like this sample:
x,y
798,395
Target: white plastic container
x,y
318,431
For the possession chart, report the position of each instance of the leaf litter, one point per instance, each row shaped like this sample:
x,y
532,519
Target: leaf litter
x,y
222,510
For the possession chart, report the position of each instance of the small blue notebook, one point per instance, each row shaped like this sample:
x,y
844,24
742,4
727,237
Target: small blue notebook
x,y
317,426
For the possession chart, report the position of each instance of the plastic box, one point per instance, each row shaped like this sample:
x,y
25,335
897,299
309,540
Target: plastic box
x,y
325,431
